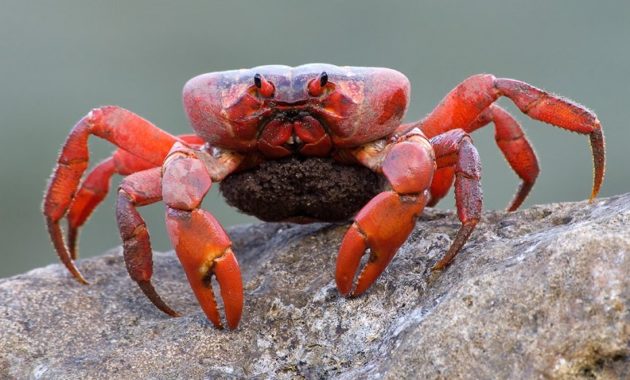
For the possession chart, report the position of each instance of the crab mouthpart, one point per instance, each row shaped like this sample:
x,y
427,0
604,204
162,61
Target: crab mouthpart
x,y
294,133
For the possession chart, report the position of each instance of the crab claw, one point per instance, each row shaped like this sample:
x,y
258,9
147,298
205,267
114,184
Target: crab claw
x,y
382,226
204,250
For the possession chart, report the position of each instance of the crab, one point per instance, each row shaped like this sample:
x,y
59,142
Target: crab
x,y
344,116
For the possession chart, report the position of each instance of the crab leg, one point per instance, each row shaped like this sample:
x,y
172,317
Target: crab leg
x,y
202,246
515,147
92,192
455,149
384,224
463,105
119,126
139,189
95,187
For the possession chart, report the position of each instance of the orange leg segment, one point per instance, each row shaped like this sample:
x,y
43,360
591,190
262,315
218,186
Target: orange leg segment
x,y
92,192
462,107
455,149
515,147
139,189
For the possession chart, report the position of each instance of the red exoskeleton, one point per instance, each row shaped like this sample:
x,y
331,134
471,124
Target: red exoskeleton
x,y
245,118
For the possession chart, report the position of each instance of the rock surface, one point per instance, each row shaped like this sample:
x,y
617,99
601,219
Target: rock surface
x,y
539,293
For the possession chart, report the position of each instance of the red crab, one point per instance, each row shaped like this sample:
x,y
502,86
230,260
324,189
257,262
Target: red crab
x,y
244,119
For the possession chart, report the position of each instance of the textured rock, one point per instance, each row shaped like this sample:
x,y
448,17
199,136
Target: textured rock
x,y
540,293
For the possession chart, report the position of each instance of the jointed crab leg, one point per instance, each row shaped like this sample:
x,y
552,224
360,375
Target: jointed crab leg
x,y
455,149
384,224
95,187
203,247
91,193
515,147
119,126
463,105
139,189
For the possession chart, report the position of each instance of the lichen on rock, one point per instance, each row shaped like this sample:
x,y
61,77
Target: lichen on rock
x,y
539,293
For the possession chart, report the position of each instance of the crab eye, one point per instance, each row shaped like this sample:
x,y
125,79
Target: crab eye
x,y
316,86
265,88
323,79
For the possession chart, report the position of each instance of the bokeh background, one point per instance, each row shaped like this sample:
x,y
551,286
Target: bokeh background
x,y
60,59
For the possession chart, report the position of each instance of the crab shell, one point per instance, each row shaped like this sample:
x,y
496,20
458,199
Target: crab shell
x,y
357,105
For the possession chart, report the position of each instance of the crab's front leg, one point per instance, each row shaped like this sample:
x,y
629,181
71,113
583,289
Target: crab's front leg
x,y
384,224
202,246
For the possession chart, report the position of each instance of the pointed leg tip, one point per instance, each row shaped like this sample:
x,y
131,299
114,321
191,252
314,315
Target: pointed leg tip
x,y
56,236
594,192
76,274
150,292
170,312
436,268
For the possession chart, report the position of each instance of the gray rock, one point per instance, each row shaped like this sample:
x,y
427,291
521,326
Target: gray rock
x,y
539,293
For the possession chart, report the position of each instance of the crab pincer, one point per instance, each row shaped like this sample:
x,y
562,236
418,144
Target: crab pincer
x,y
203,249
201,244
384,224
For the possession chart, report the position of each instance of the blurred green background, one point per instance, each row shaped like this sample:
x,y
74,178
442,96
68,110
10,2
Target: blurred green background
x,y
59,59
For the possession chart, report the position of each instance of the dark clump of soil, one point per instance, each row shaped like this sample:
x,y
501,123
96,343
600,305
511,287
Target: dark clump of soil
x,y
301,189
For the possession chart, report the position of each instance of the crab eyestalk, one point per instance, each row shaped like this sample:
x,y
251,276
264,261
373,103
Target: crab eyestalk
x,y
316,86
265,88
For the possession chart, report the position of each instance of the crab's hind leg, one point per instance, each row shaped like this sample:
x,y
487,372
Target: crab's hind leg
x,y
91,193
454,149
119,126
384,224
139,189
464,104
202,246
517,150
94,189
514,145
